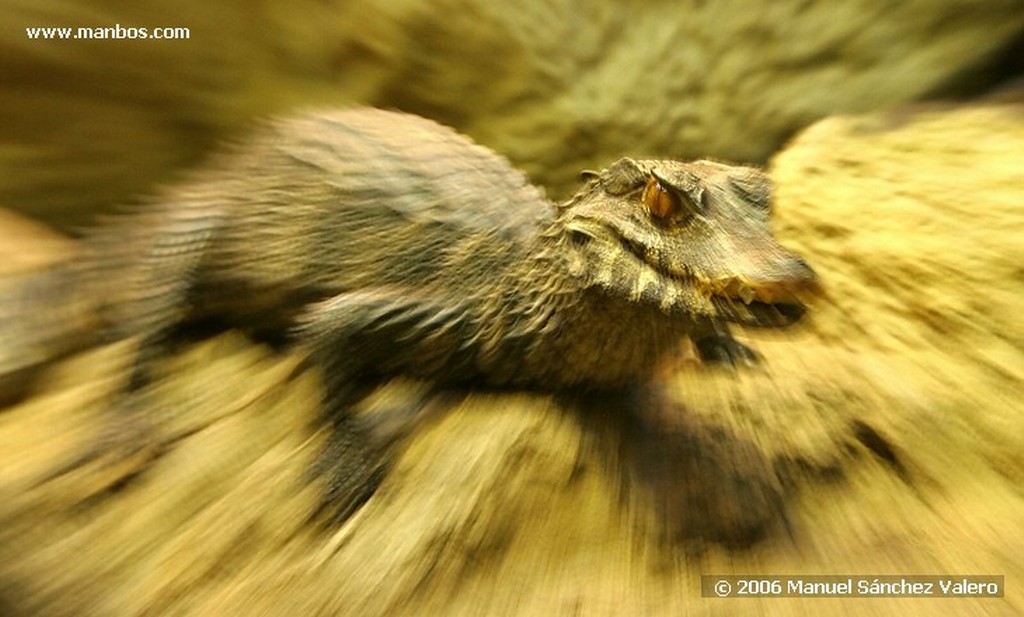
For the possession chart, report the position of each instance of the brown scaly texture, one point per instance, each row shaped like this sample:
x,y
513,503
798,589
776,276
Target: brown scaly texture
x,y
389,244
401,225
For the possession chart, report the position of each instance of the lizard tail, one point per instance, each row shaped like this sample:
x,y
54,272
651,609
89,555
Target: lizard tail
x,y
45,315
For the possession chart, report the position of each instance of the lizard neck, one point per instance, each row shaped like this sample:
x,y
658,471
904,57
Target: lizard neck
x,y
553,328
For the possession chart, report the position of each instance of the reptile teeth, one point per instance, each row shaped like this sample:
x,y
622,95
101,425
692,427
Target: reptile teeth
x,y
746,294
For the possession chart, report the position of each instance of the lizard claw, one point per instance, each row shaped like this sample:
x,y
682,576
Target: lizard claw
x,y
725,350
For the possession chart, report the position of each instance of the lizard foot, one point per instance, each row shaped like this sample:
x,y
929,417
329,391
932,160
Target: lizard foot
x,y
351,468
125,446
726,351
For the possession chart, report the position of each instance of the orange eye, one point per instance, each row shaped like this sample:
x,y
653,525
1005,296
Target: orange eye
x,y
662,203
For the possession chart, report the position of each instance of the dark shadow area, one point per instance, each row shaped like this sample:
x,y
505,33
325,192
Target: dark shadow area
x,y
705,484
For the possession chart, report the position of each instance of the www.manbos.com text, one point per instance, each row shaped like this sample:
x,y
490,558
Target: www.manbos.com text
x,y
115,32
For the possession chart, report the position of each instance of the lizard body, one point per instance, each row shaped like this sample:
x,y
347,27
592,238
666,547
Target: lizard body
x,y
389,244
348,221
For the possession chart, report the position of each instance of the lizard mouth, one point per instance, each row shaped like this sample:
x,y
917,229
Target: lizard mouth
x,y
766,304
758,314
770,303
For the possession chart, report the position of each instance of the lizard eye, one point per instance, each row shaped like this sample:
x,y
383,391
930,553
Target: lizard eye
x,y
664,204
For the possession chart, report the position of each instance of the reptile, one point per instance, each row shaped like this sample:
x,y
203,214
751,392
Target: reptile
x,y
387,244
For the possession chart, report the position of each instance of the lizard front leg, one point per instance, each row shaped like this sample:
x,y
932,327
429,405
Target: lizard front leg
x,y
357,338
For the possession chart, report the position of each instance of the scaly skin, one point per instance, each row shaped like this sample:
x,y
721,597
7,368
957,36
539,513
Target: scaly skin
x,y
389,244
393,229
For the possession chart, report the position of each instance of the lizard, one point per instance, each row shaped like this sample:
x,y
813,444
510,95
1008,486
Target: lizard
x,y
388,244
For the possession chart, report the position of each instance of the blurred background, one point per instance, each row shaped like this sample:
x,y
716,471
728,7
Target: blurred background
x,y
883,436
556,85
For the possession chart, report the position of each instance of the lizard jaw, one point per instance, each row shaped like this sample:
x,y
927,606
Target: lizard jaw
x,y
761,303
630,272
768,303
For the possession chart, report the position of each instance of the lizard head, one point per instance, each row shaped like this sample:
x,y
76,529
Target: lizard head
x,y
689,237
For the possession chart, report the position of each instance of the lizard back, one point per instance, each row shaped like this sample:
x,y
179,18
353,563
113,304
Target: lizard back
x,y
312,205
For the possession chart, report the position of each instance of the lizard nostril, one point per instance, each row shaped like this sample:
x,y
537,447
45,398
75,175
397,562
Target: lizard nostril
x,y
800,273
